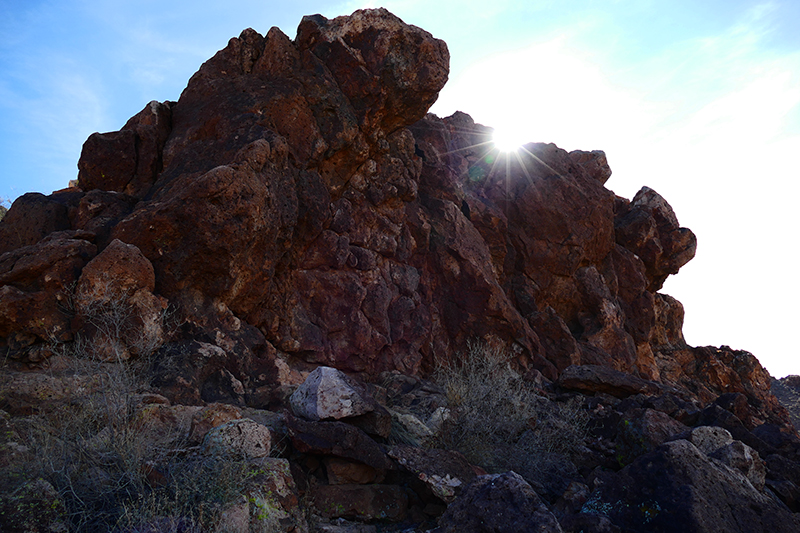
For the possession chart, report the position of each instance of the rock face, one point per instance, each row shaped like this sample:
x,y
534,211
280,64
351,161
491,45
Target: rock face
x,y
297,208
500,503
340,225
678,488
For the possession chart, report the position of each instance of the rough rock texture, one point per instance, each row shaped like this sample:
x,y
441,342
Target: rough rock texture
x,y
678,488
297,208
342,226
238,438
328,393
501,503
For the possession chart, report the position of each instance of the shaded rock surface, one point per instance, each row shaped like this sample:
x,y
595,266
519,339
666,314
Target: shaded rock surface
x,y
678,488
498,503
297,219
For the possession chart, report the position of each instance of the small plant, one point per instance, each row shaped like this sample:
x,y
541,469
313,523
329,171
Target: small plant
x,y
499,422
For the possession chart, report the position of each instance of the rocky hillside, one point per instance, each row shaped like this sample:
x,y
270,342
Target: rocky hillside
x,y
297,209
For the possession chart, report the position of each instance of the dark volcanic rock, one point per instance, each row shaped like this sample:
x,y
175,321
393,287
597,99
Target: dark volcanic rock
x,y
500,503
678,488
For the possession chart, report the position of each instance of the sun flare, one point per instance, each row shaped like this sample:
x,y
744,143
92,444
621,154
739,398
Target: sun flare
x,y
507,139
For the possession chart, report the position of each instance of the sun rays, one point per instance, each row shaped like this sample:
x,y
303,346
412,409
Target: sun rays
x,y
502,165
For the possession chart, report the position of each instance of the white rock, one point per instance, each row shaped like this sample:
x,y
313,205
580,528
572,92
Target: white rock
x,y
241,438
328,393
709,439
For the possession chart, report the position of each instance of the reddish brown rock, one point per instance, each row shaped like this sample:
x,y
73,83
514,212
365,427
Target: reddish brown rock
x,y
337,439
32,217
445,472
649,228
298,198
35,290
368,54
114,301
364,502
344,472
593,379
209,417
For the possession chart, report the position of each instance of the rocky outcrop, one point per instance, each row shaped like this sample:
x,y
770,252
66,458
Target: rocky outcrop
x,y
296,232
340,225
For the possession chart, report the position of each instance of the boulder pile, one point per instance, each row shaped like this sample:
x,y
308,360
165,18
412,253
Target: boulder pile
x,y
291,252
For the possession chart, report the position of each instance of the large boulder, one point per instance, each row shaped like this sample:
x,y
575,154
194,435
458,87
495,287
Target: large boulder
x,y
679,488
499,503
36,284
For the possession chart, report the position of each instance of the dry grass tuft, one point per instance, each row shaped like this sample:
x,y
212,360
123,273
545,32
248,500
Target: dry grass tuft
x,y
500,423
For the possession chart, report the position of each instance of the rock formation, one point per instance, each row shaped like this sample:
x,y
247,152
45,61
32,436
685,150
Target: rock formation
x,y
297,207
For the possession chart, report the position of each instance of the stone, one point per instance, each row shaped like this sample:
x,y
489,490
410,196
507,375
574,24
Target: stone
x,y
274,497
364,502
114,300
678,488
32,217
34,506
127,161
211,416
344,472
601,379
339,440
709,439
35,290
410,429
498,503
650,229
643,430
743,458
445,472
238,438
327,393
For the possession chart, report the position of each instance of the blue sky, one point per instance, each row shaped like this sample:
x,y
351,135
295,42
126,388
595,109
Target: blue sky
x,y
699,100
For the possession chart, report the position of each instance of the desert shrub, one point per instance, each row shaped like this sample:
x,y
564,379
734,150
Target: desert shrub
x,y
499,422
97,451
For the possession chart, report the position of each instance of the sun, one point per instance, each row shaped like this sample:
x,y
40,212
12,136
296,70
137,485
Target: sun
x,y
508,139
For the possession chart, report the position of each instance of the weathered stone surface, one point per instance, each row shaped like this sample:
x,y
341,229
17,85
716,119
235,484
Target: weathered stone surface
x,y
594,378
709,439
643,430
743,458
36,506
678,488
211,416
328,393
337,439
128,160
365,502
445,472
35,289
344,472
650,229
498,503
32,217
298,208
115,303
368,54
238,438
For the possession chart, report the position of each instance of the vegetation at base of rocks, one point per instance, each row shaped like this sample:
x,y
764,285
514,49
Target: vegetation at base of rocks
x,y
109,466
500,422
